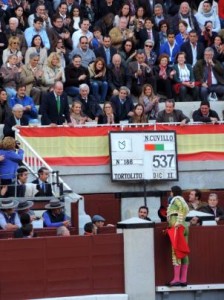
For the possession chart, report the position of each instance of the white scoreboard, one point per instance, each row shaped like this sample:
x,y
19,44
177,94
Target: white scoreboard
x,y
143,155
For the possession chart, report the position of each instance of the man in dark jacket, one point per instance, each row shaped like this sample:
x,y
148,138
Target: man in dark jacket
x,y
205,114
90,107
55,107
75,75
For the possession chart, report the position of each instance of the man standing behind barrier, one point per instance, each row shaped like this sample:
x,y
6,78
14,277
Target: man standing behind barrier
x,y
205,114
55,108
54,216
43,186
9,219
170,114
176,214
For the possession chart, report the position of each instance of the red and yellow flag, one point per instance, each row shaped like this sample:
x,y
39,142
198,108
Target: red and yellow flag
x,y
90,146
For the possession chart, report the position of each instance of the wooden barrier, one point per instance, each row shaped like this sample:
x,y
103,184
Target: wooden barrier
x,y
40,232
206,257
61,266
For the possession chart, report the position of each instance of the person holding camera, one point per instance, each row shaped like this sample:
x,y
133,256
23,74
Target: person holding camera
x,y
208,34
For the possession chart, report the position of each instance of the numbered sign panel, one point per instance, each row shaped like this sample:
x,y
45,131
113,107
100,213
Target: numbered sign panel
x,y
145,155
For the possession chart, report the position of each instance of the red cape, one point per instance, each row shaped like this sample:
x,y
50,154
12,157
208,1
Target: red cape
x,y
178,241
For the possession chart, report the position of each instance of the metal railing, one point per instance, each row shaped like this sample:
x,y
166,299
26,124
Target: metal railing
x,y
33,162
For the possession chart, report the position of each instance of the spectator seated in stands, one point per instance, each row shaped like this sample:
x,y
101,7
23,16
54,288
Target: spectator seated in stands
x,y
120,33
90,107
24,189
14,121
209,72
8,167
208,14
108,114
13,48
139,114
213,208
208,35
75,75
29,108
170,114
182,36
83,31
171,48
98,82
194,200
32,77
25,220
37,46
98,221
118,75
24,207
150,102
205,114
5,111
127,52
184,82
76,114
123,105
55,216
140,73
89,229
55,107
63,231
9,219
143,212
87,55
106,51
163,73
193,49
10,74
44,187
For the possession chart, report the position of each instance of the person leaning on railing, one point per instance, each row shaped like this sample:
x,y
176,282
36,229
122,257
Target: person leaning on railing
x,y
171,115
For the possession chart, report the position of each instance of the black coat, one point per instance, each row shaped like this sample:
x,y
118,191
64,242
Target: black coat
x,y
92,109
10,122
100,52
186,47
72,74
142,36
50,112
121,110
47,192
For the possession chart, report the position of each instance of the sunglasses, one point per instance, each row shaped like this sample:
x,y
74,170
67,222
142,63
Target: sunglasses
x,y
150,46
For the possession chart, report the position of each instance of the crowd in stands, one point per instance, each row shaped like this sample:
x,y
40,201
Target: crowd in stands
x,y
57,54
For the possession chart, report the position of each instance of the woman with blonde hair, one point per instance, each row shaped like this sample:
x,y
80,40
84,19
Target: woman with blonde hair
x,y
98,82
53,72
8,167
149,101
13,48
108,114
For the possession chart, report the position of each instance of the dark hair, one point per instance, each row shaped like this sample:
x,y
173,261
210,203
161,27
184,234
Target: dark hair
x,y
176,190
149,19
2,90
55,17
193,31
88,227
163,55
136,11
97,28
76,55
62,3
205,102
107,37
206,22
38,19
20,85
83,37
97,60
143,207
41,170
170,32
83,20
20,171
25,219
163,22
170,101
32,42
178,54
132,48
120,11
27,229
197,193
183,22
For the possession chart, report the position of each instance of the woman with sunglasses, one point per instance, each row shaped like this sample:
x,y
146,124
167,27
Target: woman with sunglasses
x,y
149,53
13,48
108,114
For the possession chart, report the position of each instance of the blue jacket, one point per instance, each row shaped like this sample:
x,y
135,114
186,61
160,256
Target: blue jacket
x,y
164,48
8,167
29,114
